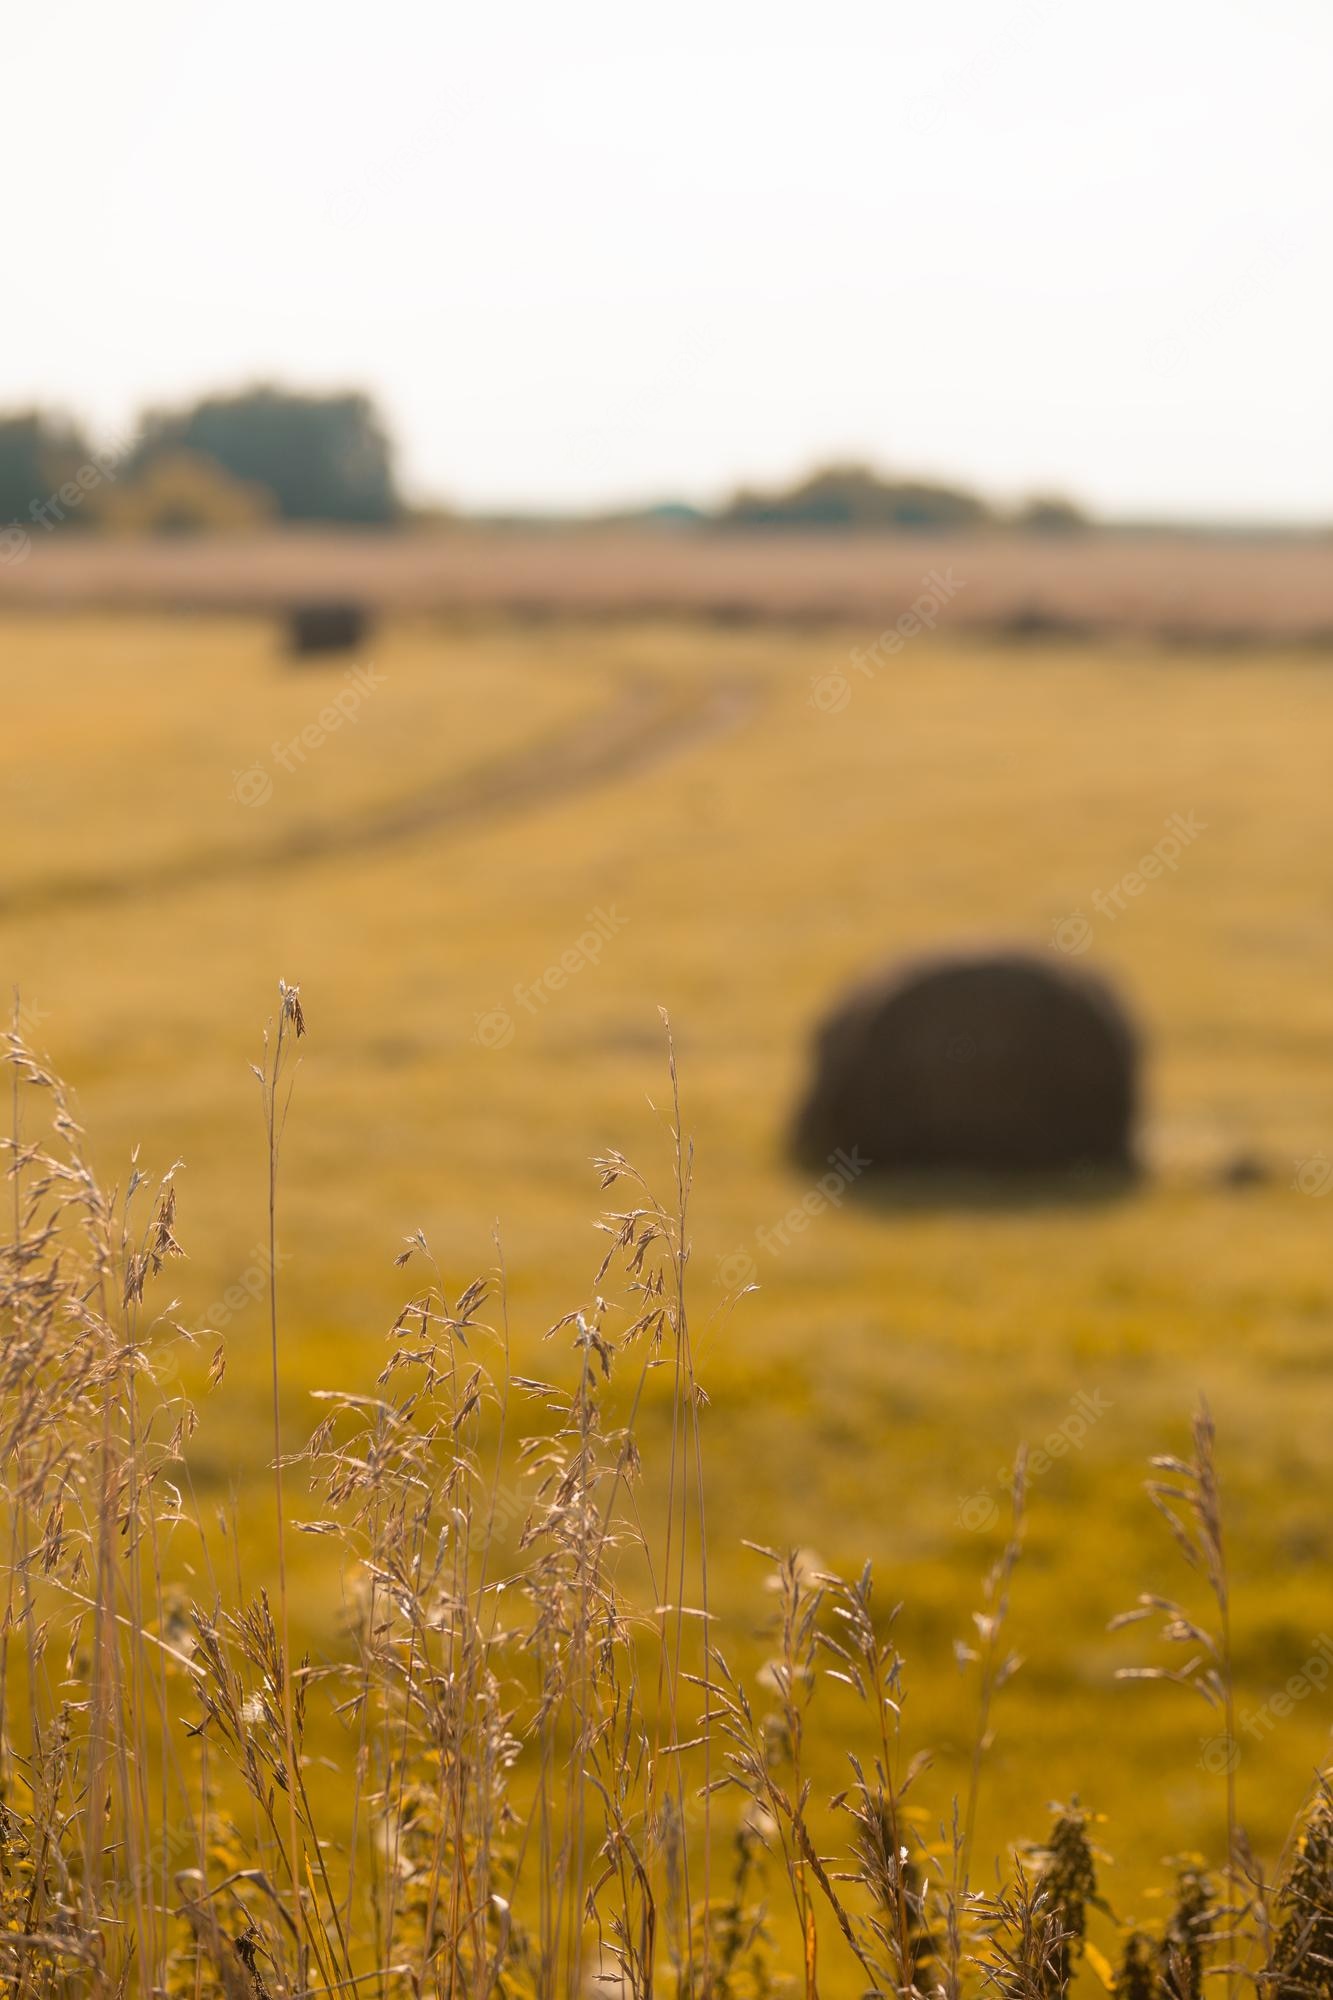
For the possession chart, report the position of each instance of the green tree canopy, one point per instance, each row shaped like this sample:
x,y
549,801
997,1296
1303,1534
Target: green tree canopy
x,y
855,496
38,451
323,458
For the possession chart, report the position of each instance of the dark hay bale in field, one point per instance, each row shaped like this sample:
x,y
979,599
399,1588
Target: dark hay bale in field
x,y
1030,623
326,628
990,1062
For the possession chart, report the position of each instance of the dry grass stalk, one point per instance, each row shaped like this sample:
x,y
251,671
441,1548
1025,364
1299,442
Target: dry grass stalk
x,y
539,1734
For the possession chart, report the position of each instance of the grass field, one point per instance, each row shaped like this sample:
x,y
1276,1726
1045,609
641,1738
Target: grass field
x,y
747,844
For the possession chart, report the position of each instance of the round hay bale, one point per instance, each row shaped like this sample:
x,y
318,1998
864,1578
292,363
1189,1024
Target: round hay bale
x,y
986,1062
329,627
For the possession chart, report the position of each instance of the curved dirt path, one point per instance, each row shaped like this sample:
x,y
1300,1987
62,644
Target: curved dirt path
x,y
649,720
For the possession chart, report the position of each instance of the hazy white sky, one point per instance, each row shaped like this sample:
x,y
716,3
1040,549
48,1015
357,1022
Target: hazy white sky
x,y
599,251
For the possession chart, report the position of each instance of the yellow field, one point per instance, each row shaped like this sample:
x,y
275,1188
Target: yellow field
x,y
748,849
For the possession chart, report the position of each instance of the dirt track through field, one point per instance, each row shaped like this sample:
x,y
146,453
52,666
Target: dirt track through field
x,y
649,721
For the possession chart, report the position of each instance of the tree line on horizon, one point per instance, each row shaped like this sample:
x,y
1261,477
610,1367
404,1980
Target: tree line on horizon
x,y
857,496
263,454
227,461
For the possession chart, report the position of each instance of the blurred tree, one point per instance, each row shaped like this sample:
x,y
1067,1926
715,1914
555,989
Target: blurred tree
x,y
323,458
1050,514
38,453
855,496
184,493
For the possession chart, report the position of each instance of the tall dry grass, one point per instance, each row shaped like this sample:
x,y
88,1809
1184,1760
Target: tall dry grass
x,y
550,1778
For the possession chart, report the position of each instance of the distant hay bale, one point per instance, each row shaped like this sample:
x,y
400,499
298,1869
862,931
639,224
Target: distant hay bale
x,y
329,627
1028,623
989,1062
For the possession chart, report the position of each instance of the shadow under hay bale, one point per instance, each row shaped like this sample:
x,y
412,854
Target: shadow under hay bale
x,y
977,1066
330,627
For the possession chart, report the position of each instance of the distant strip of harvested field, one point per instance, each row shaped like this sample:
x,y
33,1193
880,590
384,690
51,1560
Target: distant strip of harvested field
x,y
1187,587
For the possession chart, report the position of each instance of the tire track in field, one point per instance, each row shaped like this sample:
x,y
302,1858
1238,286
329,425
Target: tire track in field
x,y
650,721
